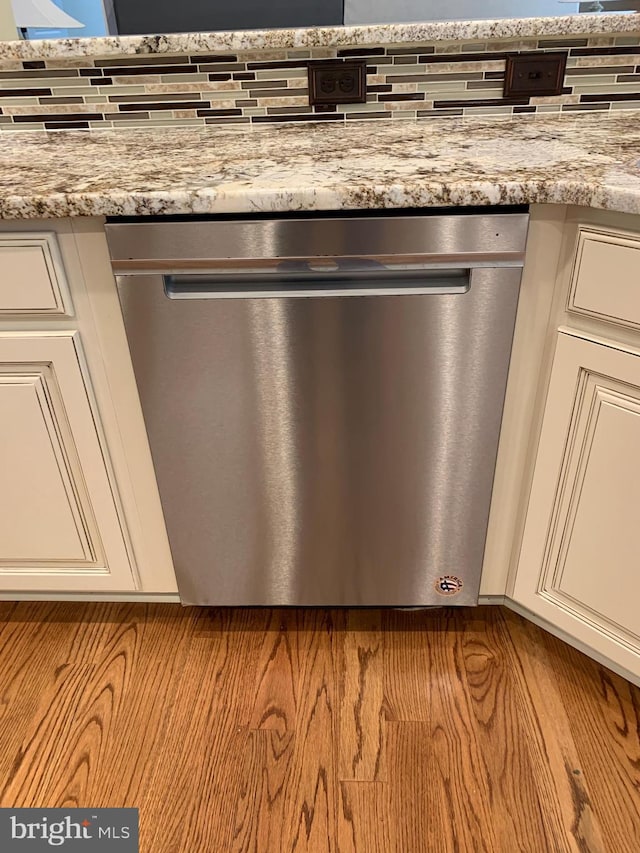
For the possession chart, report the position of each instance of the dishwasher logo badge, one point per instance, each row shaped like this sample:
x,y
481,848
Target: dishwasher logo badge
x,y
448,585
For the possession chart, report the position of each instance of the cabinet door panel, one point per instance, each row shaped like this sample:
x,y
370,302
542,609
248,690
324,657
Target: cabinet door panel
x,y
579,565
38,509
601,569
59,523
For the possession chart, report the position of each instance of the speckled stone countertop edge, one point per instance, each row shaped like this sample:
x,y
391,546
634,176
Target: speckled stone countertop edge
x,y
384,197
358,36
588,160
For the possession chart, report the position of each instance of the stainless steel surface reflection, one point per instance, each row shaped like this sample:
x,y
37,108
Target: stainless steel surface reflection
x,y
324,451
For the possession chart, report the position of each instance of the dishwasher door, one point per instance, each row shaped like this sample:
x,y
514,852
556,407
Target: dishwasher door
x,y
324,451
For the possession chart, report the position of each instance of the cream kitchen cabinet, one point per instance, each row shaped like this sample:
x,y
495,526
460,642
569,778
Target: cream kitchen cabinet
x,y
59,526
580,559
577,569
79,511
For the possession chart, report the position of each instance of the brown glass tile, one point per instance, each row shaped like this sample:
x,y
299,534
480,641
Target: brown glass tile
x,y
275,111
483,102
424,78
528,109
153,59
228,120
90,72
362,51
285,63
247,102
223,66
58,117
38,74
300,117
174,105
404,96
605,51
265,84
198,60
623,96
484,84
101,81
553,43
219,77
494,75
245,75
67,125
172,96
128,116
279,93
122,70
566,108
75,99
435,113
401,51
382,87
229,112
629,78
23,93
385,114
463,57
324,108
600,69
33,63
410,59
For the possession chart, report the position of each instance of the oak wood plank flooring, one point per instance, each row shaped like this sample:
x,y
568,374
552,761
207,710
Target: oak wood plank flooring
x,y
190,800
459,737
362,818
311,791
277,681
407,687
604,710
361,730
324,731
259,823
568,812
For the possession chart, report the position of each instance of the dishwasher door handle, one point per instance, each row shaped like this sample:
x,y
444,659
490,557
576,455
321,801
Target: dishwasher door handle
x,y
317,282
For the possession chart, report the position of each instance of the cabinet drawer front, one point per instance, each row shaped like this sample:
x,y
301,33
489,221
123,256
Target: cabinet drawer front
x,y
60,527
606,276
32,277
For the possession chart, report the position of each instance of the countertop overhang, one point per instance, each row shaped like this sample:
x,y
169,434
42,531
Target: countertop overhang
x,y
590,160
351,36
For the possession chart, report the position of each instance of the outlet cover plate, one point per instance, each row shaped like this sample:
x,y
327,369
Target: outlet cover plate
x,y
337,82
532,74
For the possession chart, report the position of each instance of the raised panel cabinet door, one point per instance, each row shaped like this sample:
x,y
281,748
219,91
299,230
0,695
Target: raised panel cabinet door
x,y
579,565
60,529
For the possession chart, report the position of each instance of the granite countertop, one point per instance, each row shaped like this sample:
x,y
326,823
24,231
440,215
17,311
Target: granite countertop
x,y
359,36
584,160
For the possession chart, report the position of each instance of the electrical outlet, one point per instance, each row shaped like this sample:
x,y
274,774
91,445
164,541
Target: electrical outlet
x,y
337,82
530,74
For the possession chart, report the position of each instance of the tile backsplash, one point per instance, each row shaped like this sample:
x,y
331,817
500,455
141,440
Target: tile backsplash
x,y
418,81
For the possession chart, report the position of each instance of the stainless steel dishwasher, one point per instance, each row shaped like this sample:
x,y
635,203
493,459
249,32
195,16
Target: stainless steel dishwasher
x,y
323,397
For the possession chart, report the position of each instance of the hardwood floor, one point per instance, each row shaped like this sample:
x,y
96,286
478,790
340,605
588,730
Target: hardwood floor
x,y
358,731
